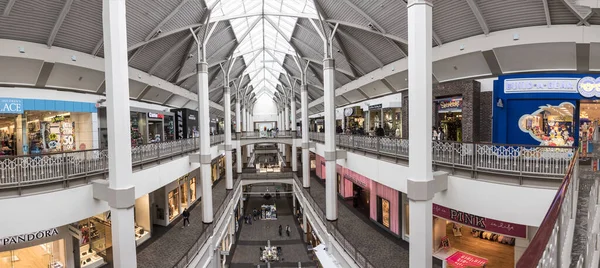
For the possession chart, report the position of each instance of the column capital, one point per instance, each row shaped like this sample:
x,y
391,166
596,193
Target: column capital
x,y
202,67
328,64
227,89
419,2
424,190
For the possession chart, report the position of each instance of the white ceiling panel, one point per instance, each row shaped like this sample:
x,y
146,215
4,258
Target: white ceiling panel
x,y
399,81
157,95
595,56
135,88
177,101
73,77
375,88
537,57
463,66
353,96
19,71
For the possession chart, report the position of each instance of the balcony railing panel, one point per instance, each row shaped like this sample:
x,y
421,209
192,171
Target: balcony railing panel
x,y
534,161
27,170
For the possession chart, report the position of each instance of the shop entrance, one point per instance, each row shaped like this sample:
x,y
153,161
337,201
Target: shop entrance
x,y
155,131
449,117
360,199
589,117
454,241
8,134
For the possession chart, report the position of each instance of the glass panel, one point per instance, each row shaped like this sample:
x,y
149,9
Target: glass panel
x,y
385,212
184,194
51,254
193,189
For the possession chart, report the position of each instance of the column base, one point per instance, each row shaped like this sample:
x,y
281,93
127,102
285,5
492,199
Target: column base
x,y
306,187
332,220
227,189
207,222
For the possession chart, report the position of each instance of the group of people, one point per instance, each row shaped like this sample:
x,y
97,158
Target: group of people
x,y
375,131
438,134
288,230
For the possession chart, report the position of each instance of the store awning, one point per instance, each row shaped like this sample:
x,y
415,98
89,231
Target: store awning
x,y
324,258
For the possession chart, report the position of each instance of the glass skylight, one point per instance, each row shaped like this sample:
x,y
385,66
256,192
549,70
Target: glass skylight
x,y
264,29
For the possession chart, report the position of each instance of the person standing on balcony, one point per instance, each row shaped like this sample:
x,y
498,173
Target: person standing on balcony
x,y
380,132
441,134
435,135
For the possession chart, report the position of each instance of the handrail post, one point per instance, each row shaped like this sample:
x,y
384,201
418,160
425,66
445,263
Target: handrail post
x,y
378,145
65,170
520,163
474,159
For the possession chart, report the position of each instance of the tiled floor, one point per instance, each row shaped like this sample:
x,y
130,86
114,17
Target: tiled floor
x,y
169,244
380,248
246,251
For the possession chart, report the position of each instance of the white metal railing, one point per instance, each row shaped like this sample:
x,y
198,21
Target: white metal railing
x,y
593,232
522,160
19,171
551,245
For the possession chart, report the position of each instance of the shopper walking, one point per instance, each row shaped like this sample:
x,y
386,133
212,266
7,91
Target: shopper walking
x,y
280,230
287,230
186,217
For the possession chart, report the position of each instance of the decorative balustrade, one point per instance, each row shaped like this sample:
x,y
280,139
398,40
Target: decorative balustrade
x,y
593,232
550,242
19,171
519,160
267,134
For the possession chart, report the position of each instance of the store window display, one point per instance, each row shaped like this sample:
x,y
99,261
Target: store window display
x,y
138,123
95,240
550,125
173,204
51,254
8,129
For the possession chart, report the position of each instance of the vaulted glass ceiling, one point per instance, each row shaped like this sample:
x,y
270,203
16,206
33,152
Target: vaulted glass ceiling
x,y
263,29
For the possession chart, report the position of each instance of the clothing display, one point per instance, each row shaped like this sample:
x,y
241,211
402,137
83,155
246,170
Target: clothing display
x,y
268,212
493,237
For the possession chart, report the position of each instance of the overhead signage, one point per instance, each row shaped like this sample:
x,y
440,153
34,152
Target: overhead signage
x,y
28,237
535,85
449,105
479,222
192,117
11,106
155,115
375,107
589,87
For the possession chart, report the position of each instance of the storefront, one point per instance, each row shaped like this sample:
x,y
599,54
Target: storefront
x,y
29,126
388,116
138,122
217,168
317,124
171,200
448,113
354,118
186,123
46,248
466,240
546,109
95,240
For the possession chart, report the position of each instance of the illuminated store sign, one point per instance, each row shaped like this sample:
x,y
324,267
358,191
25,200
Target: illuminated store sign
x,y
535,85
28,237
589,87
11,106
155,115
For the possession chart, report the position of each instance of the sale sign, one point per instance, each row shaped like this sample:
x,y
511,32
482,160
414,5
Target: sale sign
x,y
461,259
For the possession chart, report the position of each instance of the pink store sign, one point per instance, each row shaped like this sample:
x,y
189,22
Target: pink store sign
x,y
482,223
461,259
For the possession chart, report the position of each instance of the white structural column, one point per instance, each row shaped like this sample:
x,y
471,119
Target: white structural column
x,y
419,98
228,156
294,155
305,143
286,118
119,144
244,119
238,129
329,152
204,129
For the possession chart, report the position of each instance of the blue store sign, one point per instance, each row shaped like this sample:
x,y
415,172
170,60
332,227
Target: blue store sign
x,y
11,106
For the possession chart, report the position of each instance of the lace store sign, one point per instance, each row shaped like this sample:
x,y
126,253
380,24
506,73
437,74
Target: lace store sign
x,y
11,106
28,237
482,223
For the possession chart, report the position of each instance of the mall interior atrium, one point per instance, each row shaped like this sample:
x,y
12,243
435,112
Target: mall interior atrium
x,y
299,133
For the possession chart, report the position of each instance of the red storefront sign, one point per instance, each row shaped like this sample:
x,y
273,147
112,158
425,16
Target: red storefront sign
x,y
482,223
461,259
